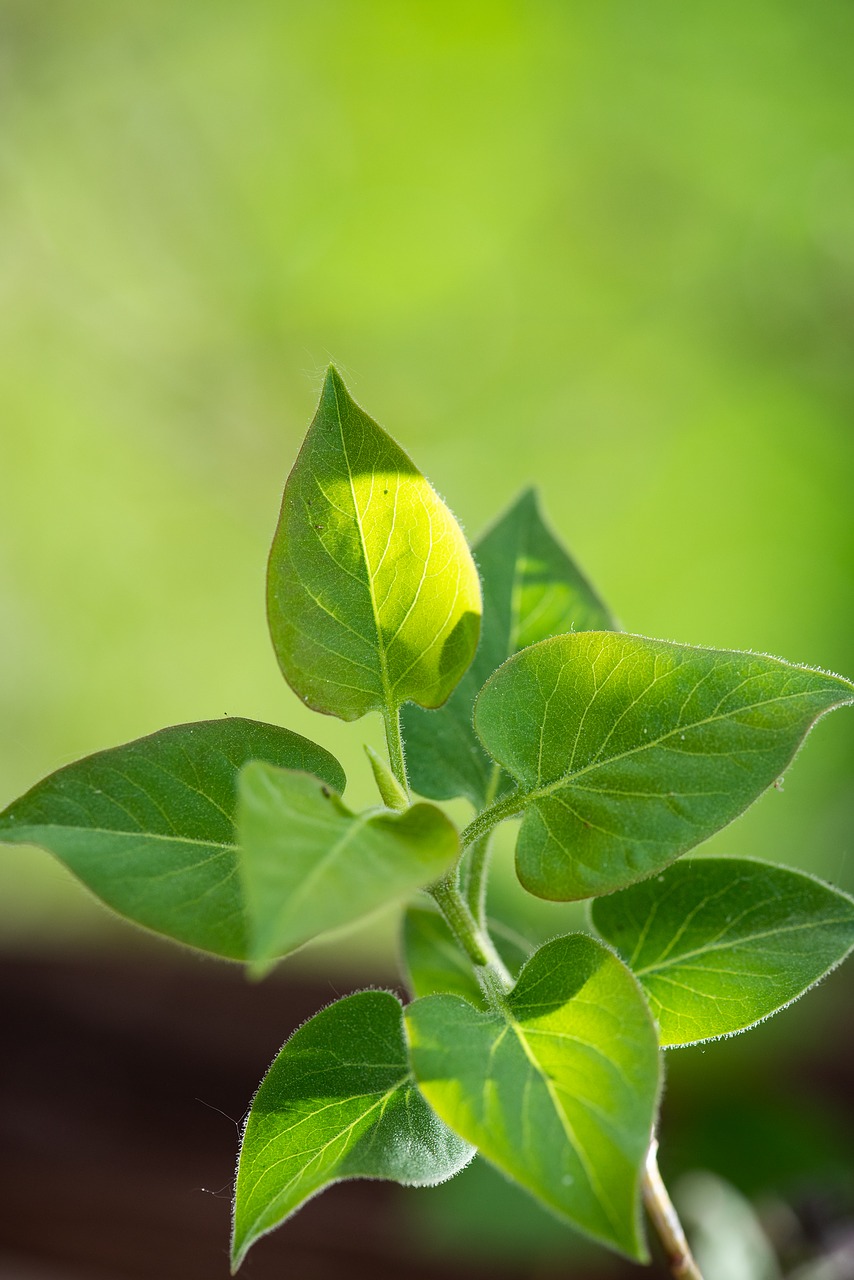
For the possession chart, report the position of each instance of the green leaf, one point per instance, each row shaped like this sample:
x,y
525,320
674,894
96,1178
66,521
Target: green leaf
x,y
531,590
630,751
149,826
559,1090
434,963
338,1102
718,944
372,595
308,864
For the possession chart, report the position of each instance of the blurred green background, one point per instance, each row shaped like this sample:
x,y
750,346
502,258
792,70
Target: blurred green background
x,y
605,247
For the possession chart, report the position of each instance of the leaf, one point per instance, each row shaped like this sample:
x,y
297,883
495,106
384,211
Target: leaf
x,y
531,590
559,1090
338,1102
308,864
373,598
630,751
434,963
149,826
718,944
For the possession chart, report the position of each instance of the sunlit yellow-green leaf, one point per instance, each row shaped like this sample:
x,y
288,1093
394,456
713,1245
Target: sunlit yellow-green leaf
x,y
373,598
559,1089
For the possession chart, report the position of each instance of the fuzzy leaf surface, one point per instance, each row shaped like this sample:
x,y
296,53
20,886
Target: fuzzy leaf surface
x,y
373,598
629,751
434,963
559,1091
718,944
149,826
338,1102
308,864
531,590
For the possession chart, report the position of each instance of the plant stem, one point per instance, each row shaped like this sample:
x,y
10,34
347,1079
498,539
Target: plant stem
x,y
488,965
665,1220
476,879
484,822
394,742
478,860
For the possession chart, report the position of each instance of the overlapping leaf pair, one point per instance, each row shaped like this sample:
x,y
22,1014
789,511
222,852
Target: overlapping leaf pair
x,y
620,753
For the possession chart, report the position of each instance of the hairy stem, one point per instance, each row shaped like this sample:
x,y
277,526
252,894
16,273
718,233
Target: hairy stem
x,y
478,859
475,942
394,742
663,1217
484,822
478,866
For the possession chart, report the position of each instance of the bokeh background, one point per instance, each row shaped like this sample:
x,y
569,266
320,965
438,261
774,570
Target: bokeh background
x,y
604,247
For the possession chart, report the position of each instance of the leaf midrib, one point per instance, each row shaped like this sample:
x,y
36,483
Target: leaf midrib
x,y
355,828
381,652
568,1130
118,831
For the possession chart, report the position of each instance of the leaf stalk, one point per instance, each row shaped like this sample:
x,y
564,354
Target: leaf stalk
x,y
476,878
489,818
394,742
665,1220
489,968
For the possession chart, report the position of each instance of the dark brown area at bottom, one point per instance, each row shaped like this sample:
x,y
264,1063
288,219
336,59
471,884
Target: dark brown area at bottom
x,y
117,1163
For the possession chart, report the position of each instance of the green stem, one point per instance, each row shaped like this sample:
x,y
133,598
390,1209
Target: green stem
x,y
484,822
488,965
476,879
394,742
477,863
664,1218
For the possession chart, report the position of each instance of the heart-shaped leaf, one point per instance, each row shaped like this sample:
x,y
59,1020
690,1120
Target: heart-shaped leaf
x,y
308,864
630,751
559,1089
718,944
338,1102
149,826
372,595
531,590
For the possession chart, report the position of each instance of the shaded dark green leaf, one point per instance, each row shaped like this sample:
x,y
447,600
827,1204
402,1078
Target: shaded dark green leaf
x,y
531,590
149,826
338,1102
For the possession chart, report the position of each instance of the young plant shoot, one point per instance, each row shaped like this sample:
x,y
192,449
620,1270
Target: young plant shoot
x,y
501,677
